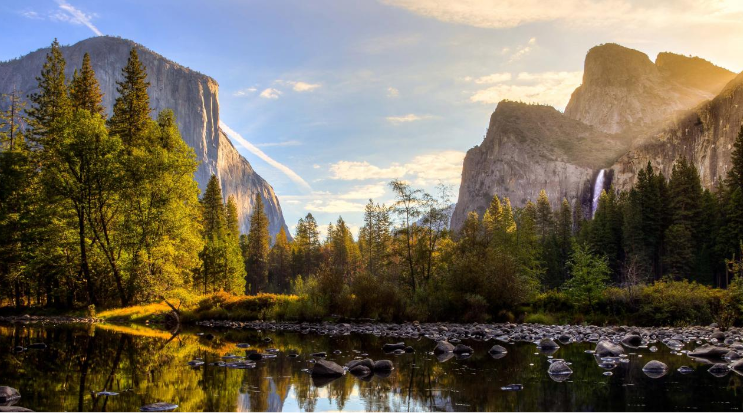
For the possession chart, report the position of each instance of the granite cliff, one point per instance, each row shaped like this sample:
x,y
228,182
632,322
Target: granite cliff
x,y
193,97
628,111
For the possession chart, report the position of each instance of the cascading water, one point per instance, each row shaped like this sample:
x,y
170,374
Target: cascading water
x,y
598,186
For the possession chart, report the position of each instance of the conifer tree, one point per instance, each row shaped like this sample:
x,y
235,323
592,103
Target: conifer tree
x,y
131,111
85,93
258,249
544,218
280,262
233,225
50,107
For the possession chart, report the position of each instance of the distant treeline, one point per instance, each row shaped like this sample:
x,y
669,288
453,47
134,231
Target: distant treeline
x,y
106,211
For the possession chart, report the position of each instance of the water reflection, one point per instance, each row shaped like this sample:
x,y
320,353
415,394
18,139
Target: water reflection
x,y
146,365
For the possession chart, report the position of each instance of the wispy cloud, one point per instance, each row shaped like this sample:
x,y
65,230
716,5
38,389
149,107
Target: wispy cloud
x,y
279,144
551,88
270,93
410,117
259,153
298,85
69,13
494,78
245,92
30,14
444,166
499,14
392,92
523,50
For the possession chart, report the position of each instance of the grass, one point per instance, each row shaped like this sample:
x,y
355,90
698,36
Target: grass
x,y
135,314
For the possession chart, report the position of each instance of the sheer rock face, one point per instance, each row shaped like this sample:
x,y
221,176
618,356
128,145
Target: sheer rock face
x,y
193,97
529,148
624,90
704,135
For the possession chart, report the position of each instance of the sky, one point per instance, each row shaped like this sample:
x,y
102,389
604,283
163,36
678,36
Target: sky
x,y
331,100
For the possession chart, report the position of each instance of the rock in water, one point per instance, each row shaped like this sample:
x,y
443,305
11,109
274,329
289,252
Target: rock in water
x,y
655,369
368,363
513,387
38,346
383,366
443,347
389,348
547,344
158,407
708,351
559,368
4,409
193,97
327,368
496,349
632,340
719,370
8,395
360,370
605,348
462,349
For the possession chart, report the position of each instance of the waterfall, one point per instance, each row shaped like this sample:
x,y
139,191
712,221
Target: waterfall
x,y
598,186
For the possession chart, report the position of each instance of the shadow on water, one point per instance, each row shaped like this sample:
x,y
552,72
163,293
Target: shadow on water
x,y
146,365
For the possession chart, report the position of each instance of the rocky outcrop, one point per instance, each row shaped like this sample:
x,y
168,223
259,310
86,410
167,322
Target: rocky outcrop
x,y
193,97
704,135
624,90
529,148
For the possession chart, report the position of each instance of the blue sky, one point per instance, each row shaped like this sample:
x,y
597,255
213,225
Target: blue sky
x,y
350,94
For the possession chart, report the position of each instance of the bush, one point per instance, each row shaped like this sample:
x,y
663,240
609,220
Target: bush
x,y
678,303
553,301
539,318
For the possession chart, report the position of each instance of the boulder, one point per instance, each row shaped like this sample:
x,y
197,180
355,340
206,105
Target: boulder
x,y
360,370
389,348
383,366
8,395
708,351
14,409
632,340
719,369
718,335
158,407
737,366
496,349
462,349
326,368
320,354
559,368
443,347
547,344
655,369
368,363
605,348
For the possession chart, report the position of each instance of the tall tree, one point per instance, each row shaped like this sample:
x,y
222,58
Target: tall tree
x,y
131,111
50,107
407,208
258,249
306,247
280,263
85,93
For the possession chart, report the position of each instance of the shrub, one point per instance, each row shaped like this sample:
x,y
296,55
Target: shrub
x,y
678,303
539,318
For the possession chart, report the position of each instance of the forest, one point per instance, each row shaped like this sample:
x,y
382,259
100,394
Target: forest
x,y
104,211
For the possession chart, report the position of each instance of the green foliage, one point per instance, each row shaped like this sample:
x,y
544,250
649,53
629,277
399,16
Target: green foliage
x,y
258,247
589,274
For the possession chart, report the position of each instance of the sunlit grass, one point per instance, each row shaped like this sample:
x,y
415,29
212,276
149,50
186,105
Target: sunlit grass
x,y
135,313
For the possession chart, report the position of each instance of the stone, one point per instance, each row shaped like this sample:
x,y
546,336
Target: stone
x,y
360,370
368,363
496,349
655,369
327,368
443,347
632,340
9,395
708,351
389,348
158,407
462,349
719,370
605,348
559,368
383,365
37,346
547,344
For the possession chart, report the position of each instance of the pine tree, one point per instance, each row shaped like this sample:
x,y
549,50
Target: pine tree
x,y
544,218
85,93
214,234
306,247
131,111
685,204
734,179
563,236
50,107
232,222
280,263
258,249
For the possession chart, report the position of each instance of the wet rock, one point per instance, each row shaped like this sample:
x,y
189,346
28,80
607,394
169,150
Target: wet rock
x,y
389,348
360,370
496,349
462,349
320,354
708,351
564,339
409,349
605,348
158,407
443,357
383,366
37,346
368,363
718,335
513,387
719,370
107,393
547,344
243,345
559,368
655,369
326,368
208,336
267,339
443,347
14,409
737,366
9,395
685,370
632,340
255,356
18,349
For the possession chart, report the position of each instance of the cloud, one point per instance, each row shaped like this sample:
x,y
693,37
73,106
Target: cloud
x,y
522,51
410,117
270,93
392,92
551,88
499,14
494,78
304,87
69,13
245,92
372,191
259,153
334,206
444,166
30,14
279,144
352,171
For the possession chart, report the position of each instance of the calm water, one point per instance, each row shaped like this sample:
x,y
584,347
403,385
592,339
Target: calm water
x,y
146,365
